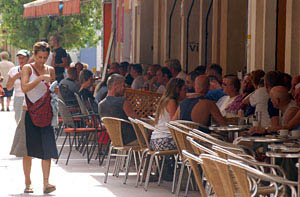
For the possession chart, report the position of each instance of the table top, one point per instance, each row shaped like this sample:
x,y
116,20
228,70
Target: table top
x,y
282,155
234,128
285,147
261,139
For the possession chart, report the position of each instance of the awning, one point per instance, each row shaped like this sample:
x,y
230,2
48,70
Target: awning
x,y
40,8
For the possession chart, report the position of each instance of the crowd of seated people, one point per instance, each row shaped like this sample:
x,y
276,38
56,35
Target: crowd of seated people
x,y
219,98
202,96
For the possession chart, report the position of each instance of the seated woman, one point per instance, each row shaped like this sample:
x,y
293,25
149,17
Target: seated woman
x,y
174,94
230,105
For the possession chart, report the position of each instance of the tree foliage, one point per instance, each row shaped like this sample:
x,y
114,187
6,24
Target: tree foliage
x,y
76,31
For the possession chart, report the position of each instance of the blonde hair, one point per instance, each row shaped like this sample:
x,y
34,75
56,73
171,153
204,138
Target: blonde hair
x,y
172,92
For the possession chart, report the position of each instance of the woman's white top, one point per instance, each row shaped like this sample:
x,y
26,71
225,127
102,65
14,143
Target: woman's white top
x,y
39,90
17,85
259,100
161,126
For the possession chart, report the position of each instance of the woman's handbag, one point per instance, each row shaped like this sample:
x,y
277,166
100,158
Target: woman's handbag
x,y
41,111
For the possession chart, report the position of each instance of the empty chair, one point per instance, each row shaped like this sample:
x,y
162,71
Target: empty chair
x,y
72,129
180,137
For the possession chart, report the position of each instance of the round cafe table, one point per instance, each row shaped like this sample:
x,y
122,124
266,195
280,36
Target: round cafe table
x,y
232,130
285,151
261,139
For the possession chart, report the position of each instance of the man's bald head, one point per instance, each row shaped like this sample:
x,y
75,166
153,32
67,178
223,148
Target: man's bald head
x,y
201,84
280,92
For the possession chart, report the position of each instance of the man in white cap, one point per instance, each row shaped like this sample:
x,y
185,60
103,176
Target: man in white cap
x,y
15,82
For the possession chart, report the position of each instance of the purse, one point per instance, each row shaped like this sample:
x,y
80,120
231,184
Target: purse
x,y
41,111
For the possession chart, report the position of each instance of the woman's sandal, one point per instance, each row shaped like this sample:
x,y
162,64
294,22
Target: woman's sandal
x,y
49,189
28,190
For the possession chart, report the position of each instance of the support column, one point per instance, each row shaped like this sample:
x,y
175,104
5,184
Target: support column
x,y
163,38
261,35
292,47
143,30
190,40
216,23
204,6
233,35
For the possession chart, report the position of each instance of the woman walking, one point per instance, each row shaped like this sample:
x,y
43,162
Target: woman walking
x,y
40,140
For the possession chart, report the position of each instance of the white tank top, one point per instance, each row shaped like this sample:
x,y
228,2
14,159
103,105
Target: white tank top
x,y
161,126
38,91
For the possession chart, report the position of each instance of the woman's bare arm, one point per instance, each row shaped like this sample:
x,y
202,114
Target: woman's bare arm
x,y
171,108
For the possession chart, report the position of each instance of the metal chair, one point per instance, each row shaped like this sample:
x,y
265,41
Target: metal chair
x,y
180,137
114,129
153,154
71,128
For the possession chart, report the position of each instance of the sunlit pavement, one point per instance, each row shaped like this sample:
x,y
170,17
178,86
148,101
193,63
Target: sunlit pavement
x,y
76,179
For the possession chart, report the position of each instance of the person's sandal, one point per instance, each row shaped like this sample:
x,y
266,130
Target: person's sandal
x,y
49,189
28,190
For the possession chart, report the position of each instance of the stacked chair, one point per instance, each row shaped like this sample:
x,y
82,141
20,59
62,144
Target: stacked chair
x,y
228,169
77,133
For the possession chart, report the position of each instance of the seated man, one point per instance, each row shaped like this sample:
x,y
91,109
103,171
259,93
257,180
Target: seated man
x,y
288,108
86,81
230,105
114,105
199,109
70,81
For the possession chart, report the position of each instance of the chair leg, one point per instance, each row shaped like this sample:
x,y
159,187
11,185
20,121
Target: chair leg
x,y
180,178
130,152
148,172
62,147
107,165
174,176
188,181
144,170
105,153
71,146
142,160
161,170
135,161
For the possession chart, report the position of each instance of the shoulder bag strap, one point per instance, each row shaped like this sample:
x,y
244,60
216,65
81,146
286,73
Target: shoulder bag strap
x,y
38,74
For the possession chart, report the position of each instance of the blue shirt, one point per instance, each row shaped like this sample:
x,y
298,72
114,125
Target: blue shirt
x,y
214,95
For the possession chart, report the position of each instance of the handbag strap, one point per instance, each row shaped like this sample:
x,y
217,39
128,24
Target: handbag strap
x,y
38,74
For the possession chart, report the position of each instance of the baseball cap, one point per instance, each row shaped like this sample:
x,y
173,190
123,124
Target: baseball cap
x,y
23,52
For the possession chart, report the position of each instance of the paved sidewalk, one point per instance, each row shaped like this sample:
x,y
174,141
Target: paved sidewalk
x,y
76,179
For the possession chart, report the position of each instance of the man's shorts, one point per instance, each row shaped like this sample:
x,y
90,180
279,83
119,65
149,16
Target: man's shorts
x,y
8,93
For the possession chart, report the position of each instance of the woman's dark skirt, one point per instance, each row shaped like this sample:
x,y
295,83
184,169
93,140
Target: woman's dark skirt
x,y
40,141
